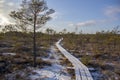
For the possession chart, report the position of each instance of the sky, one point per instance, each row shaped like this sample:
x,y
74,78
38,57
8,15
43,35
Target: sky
x,y
88,16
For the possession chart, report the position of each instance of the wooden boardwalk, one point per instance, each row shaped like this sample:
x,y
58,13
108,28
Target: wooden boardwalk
x,y
81,71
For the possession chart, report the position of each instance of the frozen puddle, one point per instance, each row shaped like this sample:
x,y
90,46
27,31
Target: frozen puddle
x,y
55,72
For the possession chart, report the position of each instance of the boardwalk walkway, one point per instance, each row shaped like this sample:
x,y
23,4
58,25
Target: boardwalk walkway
x,y
81,71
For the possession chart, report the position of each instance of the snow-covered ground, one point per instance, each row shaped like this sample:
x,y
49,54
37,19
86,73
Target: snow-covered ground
x,y
53,72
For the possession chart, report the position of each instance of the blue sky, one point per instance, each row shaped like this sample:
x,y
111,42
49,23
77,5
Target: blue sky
x,y
87,15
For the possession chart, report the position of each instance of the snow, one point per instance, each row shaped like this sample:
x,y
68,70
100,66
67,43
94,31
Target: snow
x,y
96,74
92,69
50,73
12,54
53,72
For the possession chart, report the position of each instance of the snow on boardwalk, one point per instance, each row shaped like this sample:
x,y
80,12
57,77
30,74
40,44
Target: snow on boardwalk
x,y
81,71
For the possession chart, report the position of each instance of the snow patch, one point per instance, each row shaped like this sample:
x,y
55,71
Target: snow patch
x,y
49,74
12,54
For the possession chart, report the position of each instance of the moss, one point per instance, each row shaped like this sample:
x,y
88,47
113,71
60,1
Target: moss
x,y
72,73
86,59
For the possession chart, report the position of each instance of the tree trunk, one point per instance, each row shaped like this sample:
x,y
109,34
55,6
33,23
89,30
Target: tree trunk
x,y
34,41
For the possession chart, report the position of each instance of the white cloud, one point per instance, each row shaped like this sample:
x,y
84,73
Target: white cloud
x,y
2,1
71,24
86,23
4,20
89,23
5,8
112,11
82,24
10,4
56,15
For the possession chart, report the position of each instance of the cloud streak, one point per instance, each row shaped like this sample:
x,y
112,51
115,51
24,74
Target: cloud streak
x,y
87,23
112,11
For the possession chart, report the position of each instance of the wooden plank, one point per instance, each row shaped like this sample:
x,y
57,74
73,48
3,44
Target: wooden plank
x,y
81,71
